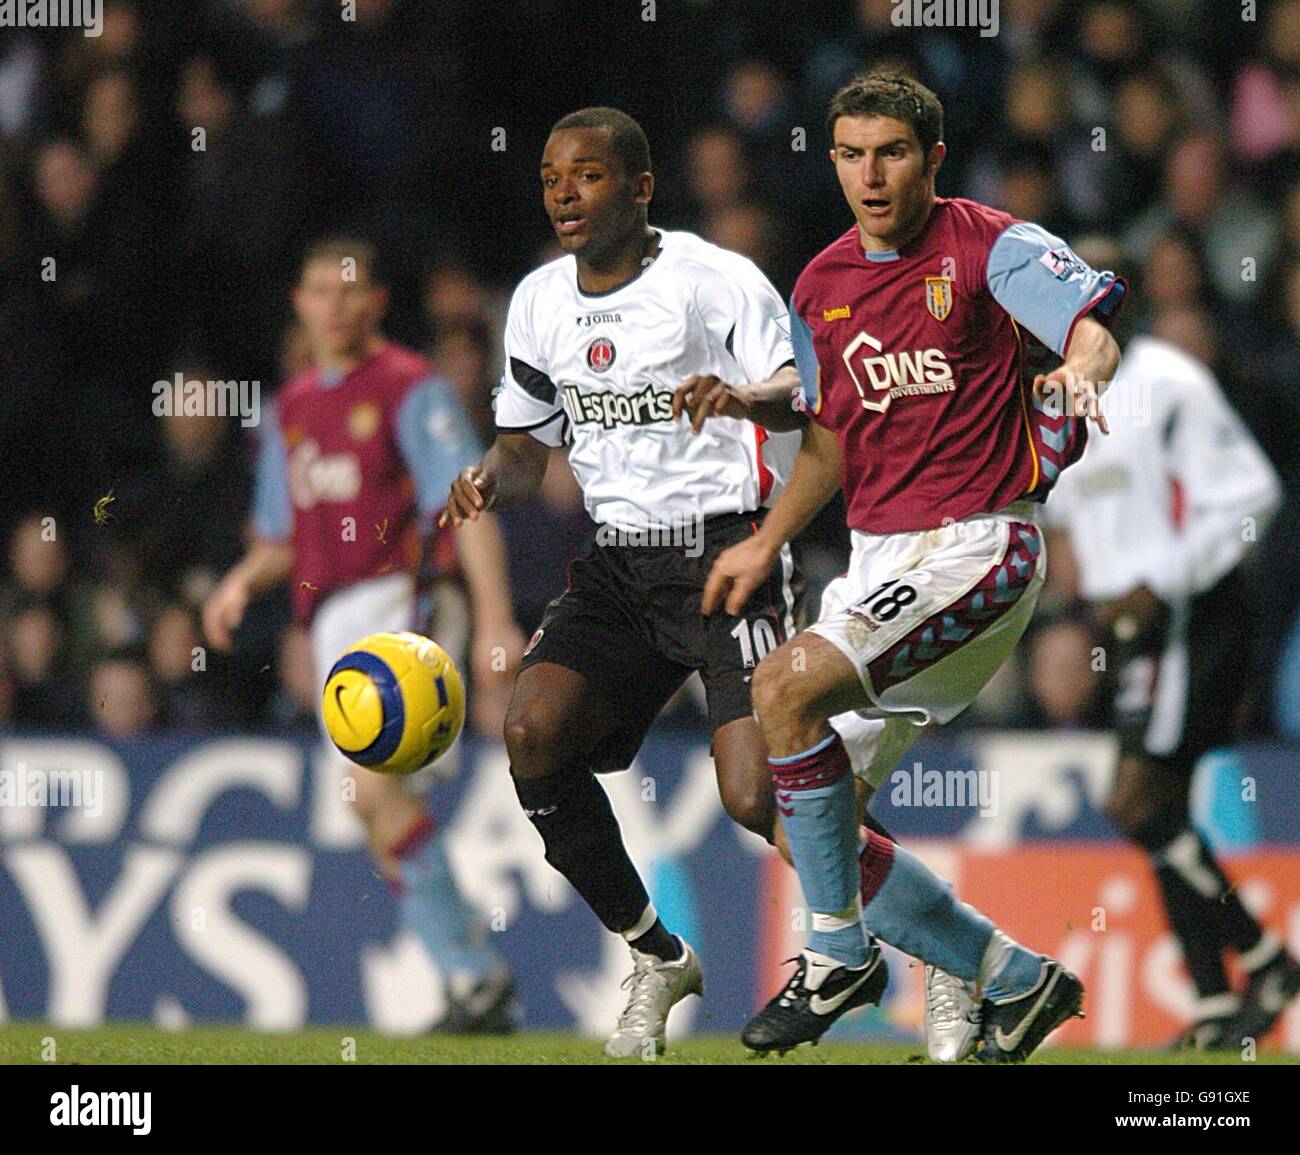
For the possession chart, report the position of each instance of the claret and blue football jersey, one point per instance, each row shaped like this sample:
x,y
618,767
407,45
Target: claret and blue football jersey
x,y
922,361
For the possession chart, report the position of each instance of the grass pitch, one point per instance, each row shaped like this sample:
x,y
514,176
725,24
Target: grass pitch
x,y
126,1043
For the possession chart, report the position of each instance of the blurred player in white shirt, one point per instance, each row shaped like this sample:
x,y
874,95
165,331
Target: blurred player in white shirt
x,y
1160,517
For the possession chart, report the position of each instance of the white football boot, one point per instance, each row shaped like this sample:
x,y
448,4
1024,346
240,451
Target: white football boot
x,y
655,988
952,1017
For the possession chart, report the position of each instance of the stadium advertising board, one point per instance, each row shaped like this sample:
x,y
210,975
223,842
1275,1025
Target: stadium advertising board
x,y
225,880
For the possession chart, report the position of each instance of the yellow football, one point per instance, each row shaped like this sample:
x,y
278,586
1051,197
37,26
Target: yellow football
x,y
394,703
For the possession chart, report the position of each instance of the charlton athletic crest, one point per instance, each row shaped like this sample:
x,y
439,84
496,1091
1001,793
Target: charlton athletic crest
x,y
938,296
600,354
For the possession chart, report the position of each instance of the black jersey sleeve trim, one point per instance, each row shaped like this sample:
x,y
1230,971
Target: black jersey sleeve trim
x,y
534,425
533,381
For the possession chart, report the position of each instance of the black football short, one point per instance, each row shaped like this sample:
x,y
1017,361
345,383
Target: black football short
x,y
630,623
1180,692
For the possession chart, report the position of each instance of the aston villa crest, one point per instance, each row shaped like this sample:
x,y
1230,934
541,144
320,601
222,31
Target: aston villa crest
x,y
938,296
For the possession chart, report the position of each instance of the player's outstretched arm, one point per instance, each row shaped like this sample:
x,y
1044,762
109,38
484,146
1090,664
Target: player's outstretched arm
x,y
266,564
1076,385
498,643
768,403
510,472
740,570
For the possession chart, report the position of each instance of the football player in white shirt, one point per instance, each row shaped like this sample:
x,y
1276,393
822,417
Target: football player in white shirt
x,y
1159,518
596,344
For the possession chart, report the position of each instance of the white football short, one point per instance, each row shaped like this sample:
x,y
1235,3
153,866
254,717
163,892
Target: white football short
x,y
926,619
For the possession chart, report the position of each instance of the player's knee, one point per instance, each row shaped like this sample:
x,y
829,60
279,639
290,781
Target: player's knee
x,y
752,807
1150,824
534,741
1126,812
775,694
1134,801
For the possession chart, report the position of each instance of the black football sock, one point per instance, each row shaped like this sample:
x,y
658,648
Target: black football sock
x,y
1192,921
1193,889
583,842
658,942
1237,926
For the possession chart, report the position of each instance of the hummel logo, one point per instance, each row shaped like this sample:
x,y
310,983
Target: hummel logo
x,y
784,803
1009,1042
821,1006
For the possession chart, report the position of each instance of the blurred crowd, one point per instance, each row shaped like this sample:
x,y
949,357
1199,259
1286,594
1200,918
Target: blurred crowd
x,y
158,183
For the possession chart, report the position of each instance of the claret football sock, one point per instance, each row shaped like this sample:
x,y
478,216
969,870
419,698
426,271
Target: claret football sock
x,y
571,812
430,906
818,805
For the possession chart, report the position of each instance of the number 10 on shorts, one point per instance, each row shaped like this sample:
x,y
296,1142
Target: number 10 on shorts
x,y
757,639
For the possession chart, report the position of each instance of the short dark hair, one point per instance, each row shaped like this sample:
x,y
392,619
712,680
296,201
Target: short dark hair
x,y
338,247
882,94
626,137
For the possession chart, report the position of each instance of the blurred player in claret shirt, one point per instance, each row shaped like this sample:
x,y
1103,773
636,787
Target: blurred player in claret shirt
x,y
356,455
912,336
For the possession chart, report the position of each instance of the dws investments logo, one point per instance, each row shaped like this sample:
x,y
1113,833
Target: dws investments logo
x,y
981,14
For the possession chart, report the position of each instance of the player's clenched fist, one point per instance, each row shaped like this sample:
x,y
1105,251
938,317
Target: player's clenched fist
x,y
703,396
472,493
737,572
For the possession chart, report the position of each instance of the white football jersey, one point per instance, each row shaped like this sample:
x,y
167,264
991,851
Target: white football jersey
x,y
598,373
1174,496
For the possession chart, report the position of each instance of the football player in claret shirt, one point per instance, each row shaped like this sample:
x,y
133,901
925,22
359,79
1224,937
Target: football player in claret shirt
x,y
911,336
356,455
